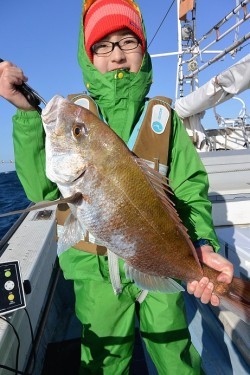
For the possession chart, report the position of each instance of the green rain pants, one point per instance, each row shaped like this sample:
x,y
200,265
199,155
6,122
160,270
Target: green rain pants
x,y
109,321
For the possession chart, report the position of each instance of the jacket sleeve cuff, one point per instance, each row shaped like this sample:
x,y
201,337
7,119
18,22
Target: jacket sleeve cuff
x,y
201,242
27,114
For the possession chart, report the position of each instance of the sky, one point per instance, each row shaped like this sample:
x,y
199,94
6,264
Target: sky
x,y
42,37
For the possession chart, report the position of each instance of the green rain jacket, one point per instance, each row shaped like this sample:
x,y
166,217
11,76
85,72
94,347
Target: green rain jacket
x,y
121,102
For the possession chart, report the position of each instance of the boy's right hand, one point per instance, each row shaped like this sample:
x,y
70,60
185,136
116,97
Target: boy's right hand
x,y
10,77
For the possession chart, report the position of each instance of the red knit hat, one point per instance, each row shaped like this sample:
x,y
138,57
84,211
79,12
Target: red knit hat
x,y
107,16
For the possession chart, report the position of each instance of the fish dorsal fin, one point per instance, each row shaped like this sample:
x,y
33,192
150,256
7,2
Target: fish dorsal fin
x,y
149,282
161,185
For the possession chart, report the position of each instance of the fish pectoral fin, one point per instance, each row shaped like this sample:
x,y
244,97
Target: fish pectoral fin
x,y
73,231
150,282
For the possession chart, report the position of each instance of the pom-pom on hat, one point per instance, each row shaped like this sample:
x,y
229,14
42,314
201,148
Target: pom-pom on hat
x,y
107,16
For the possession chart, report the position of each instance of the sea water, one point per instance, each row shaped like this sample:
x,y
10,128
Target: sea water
x,y
12,197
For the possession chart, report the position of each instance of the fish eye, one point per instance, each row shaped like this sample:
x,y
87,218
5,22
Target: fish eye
x,y
78,130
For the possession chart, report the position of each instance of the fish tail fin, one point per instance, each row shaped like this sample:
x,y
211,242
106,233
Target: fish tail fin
x,y
241,288
238,299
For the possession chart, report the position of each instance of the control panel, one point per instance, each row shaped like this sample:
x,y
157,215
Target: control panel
x,y
11,288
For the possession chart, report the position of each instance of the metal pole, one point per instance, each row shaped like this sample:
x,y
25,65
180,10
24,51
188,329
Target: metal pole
x,y
179,71
218,57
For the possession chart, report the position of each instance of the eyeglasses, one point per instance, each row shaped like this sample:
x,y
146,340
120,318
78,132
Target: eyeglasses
x,y
125,44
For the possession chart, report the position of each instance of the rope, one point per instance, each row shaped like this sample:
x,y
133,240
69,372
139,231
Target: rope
x,y
161,23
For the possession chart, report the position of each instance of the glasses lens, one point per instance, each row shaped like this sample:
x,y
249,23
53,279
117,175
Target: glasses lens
x,y
126,44
102,48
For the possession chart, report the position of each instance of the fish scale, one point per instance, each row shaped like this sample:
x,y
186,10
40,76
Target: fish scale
x,y
103,221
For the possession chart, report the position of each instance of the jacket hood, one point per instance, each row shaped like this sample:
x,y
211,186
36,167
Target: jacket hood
x,y
120,95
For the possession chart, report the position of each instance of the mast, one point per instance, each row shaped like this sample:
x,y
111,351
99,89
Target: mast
x,y
190,49
186,41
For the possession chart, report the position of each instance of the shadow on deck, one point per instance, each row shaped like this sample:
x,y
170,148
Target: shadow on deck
x,y
63,358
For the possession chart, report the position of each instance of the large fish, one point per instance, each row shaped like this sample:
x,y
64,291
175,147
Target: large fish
x,y
124,204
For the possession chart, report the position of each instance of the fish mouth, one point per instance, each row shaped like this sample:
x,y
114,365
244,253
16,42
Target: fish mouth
x,y
80,176
51,108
